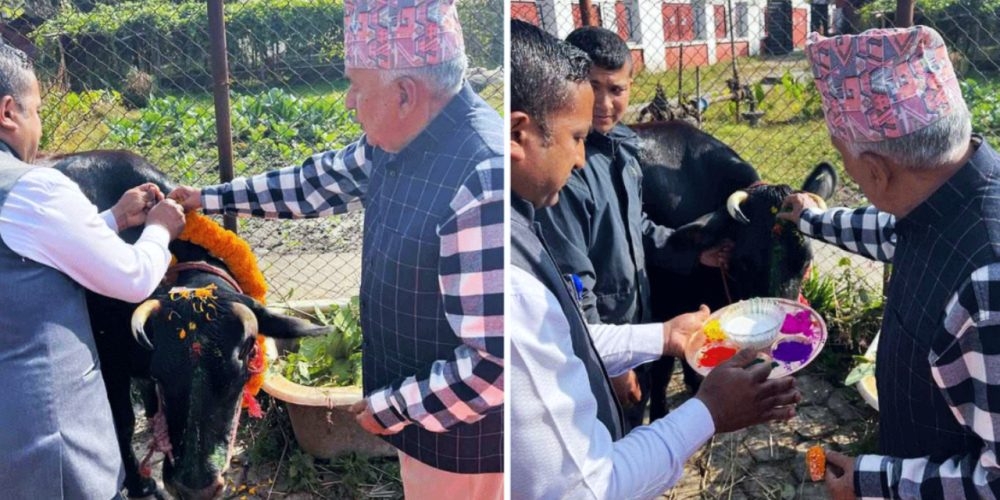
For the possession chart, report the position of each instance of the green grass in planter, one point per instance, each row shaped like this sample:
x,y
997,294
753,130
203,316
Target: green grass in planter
x,y
333,360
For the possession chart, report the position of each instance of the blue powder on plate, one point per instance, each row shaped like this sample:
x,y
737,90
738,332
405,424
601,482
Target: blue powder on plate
x,y
792,352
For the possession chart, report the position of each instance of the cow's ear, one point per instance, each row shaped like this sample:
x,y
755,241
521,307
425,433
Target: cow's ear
x,y
281,326
702,233
822,181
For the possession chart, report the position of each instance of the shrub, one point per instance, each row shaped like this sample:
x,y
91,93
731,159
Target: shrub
x,y
268,40
984,105
851,308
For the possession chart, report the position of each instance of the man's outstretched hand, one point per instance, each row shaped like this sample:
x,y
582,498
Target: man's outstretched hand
x,y
680,328
188,197
738,394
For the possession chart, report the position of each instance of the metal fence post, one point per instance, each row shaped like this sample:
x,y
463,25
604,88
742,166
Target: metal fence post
x,y
220,89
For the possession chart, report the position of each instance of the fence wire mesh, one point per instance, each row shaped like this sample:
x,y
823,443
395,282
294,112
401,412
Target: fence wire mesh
x,y
764,104
137,75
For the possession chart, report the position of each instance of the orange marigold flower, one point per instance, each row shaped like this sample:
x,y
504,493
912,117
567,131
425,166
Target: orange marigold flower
x,y
816,463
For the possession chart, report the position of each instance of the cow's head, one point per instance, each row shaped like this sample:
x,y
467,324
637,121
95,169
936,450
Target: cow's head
x,y
203,346
770,257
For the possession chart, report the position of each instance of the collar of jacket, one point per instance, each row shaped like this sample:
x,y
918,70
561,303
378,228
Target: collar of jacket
x,y
522,209
969,181
6,149
608,143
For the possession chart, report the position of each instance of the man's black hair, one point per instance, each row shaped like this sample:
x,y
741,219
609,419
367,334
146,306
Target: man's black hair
x,y
606,49
542,67
16,73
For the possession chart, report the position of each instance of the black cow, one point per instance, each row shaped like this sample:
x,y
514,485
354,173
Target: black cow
x,y
198,375
694,182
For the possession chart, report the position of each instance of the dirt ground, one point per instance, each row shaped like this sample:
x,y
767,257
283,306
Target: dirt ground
x,y
768,461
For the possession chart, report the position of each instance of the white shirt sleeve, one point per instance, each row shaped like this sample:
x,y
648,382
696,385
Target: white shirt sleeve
x,y
623,347
109,219
47,219
561,449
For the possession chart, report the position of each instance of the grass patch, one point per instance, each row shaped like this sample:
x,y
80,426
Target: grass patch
x,y
782,152
713,77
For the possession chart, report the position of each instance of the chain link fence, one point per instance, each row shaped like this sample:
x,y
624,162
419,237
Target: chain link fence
x,y
137,75
763,103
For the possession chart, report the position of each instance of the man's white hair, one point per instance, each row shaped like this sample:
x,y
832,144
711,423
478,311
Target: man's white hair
x,y
938,144
444,79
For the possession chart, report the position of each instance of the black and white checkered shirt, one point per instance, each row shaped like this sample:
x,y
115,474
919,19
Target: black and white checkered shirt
x,y
939,354
432,274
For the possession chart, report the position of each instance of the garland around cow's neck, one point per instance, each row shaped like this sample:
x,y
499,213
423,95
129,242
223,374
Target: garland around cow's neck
x,y
236,255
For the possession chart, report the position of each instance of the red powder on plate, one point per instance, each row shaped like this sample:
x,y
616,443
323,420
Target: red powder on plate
x,y
714,356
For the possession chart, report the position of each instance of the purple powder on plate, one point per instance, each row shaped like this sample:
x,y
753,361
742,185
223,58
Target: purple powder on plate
x,y
792,352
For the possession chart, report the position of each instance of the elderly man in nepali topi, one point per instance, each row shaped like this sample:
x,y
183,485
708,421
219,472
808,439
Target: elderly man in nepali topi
x,y
429,173
897,117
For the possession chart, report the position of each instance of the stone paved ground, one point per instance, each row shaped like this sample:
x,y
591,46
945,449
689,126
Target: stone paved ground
x,y
767,461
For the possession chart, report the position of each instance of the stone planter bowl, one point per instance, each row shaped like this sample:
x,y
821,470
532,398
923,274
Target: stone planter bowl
x,y
323,426
866,386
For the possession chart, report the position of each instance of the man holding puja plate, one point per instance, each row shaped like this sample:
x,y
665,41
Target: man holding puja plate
x,y
896,115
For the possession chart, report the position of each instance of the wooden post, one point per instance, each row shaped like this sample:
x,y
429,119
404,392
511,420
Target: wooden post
x,y
585,7
220,89
680,74
732,54
904,13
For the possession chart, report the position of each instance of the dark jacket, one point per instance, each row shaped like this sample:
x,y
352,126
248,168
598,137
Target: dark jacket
x,y
599,231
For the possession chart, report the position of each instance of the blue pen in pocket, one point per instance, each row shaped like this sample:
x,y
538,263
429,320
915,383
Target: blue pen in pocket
x,y
577,284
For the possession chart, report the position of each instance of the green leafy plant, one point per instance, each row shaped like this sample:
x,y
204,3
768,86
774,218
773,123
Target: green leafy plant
x,y
865,366
982,98
851,309
333,360
100,43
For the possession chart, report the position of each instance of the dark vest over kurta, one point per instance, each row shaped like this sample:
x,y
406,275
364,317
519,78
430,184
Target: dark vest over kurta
x,y
939,244
57,438
529,253
402,310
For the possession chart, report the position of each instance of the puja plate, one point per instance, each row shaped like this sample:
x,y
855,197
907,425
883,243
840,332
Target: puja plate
x,y
796,341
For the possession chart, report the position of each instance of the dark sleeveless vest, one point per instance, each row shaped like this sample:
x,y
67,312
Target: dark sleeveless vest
x,y
529,253
57,439
402,310
939,244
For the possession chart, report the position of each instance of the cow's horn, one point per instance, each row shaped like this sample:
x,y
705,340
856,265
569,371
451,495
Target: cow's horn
x,y
733,206
247,317
139,317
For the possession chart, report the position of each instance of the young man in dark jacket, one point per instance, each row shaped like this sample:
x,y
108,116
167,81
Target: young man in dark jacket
x,y
598,230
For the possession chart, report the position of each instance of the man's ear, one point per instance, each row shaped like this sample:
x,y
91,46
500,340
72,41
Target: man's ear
x,y
8,108
519,123
879,171
406,91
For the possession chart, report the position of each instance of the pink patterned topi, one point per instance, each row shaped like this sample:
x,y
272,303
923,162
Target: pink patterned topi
x,y
399,34
884,83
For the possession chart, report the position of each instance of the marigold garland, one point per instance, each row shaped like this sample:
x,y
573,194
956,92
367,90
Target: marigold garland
x,y
237,256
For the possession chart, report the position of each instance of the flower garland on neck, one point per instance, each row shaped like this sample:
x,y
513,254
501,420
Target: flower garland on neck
x,y
235,253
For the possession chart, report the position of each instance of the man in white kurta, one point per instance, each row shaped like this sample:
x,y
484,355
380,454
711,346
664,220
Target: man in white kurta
x,y
56,433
